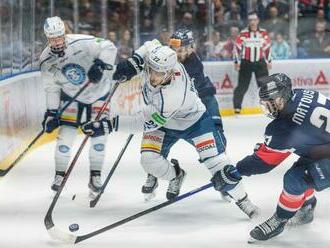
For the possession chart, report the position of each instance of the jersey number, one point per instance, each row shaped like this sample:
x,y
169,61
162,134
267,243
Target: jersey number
x,y
321,115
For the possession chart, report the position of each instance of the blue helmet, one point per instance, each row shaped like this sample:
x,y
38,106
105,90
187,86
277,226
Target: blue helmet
x,y
181,37
275,86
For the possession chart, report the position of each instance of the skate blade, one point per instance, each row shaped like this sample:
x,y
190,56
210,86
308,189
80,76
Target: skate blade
x,y
252,240
93,195
149,196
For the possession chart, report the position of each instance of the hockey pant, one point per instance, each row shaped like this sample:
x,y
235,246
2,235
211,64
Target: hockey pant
x,y
203,135
76,114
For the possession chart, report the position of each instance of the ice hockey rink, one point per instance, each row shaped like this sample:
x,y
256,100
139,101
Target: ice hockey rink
x,y
203,220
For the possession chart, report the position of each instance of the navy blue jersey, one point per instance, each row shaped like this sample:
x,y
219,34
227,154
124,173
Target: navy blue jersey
x,y
195,69
303,124
303,127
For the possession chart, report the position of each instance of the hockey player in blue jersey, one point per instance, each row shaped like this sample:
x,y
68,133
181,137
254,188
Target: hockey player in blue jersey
x,y
300,126
182,41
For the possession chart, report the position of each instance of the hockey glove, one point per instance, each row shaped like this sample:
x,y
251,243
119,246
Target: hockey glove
x,y
128,68
226,179
99,128
51,120
95,73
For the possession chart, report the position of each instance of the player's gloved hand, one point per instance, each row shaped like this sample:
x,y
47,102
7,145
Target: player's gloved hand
x,y
95,73
51,120
226,179
128,68
99,128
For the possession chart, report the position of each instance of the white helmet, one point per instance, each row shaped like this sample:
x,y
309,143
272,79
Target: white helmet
x,y
162,59
54,27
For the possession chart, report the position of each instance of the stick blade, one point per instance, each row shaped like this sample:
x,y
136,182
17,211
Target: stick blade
x,y
58,234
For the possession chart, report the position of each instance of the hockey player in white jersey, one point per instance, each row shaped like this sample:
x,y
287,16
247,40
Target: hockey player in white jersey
x,y
172,111
67,64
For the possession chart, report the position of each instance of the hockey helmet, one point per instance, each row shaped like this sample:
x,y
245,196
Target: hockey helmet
x,y
275,91
162,60
54,30
181,37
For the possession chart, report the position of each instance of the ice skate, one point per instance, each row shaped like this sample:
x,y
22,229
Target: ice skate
x,y
175,184
268,229
59,176
248,207
304,215
149,187
95,184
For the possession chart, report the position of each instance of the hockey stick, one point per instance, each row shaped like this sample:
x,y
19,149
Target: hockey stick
x,y
93,202
48,221
73,239
43,131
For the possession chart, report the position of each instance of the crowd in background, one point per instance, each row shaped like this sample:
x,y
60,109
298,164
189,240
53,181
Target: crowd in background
x,y
229,18
213,42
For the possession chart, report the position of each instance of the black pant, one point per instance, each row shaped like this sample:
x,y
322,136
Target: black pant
x,y
244,77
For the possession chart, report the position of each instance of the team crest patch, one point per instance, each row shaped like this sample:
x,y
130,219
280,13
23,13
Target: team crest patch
x,y
74,73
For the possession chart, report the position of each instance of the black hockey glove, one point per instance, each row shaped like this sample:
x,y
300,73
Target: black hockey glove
x,y
95,73
99,128
226,179
128,68
51,120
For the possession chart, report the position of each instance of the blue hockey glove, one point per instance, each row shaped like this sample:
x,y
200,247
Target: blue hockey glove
x,y
99,128
128,68
226,179
95,73
51,120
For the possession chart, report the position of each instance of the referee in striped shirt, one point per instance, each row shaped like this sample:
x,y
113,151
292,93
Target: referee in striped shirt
x,y
251,54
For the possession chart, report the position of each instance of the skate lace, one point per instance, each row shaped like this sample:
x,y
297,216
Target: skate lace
x,y
58,180
270,225
246,206
151,180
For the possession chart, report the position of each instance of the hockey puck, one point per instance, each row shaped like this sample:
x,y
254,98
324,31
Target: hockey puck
x,y
73,197
74,227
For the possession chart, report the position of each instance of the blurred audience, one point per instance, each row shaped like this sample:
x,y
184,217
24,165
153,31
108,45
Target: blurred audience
x,y
280,48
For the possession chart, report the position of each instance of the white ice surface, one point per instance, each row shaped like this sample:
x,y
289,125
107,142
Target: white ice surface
x,y
203,220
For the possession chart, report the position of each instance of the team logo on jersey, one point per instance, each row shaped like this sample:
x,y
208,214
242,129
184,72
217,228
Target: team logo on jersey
x,y
74,73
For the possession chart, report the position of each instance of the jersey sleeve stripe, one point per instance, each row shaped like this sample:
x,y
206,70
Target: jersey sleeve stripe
x,y
270,156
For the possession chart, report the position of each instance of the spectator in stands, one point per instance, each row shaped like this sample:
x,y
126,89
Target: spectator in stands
x,y
125,46
214,46
187,20
282,7
146,31
228,48
232,15
318,45
164,36
280,48
274,23
219,21
112,36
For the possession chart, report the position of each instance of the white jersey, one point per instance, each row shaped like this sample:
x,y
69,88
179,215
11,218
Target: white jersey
x,y
174,105
69,73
